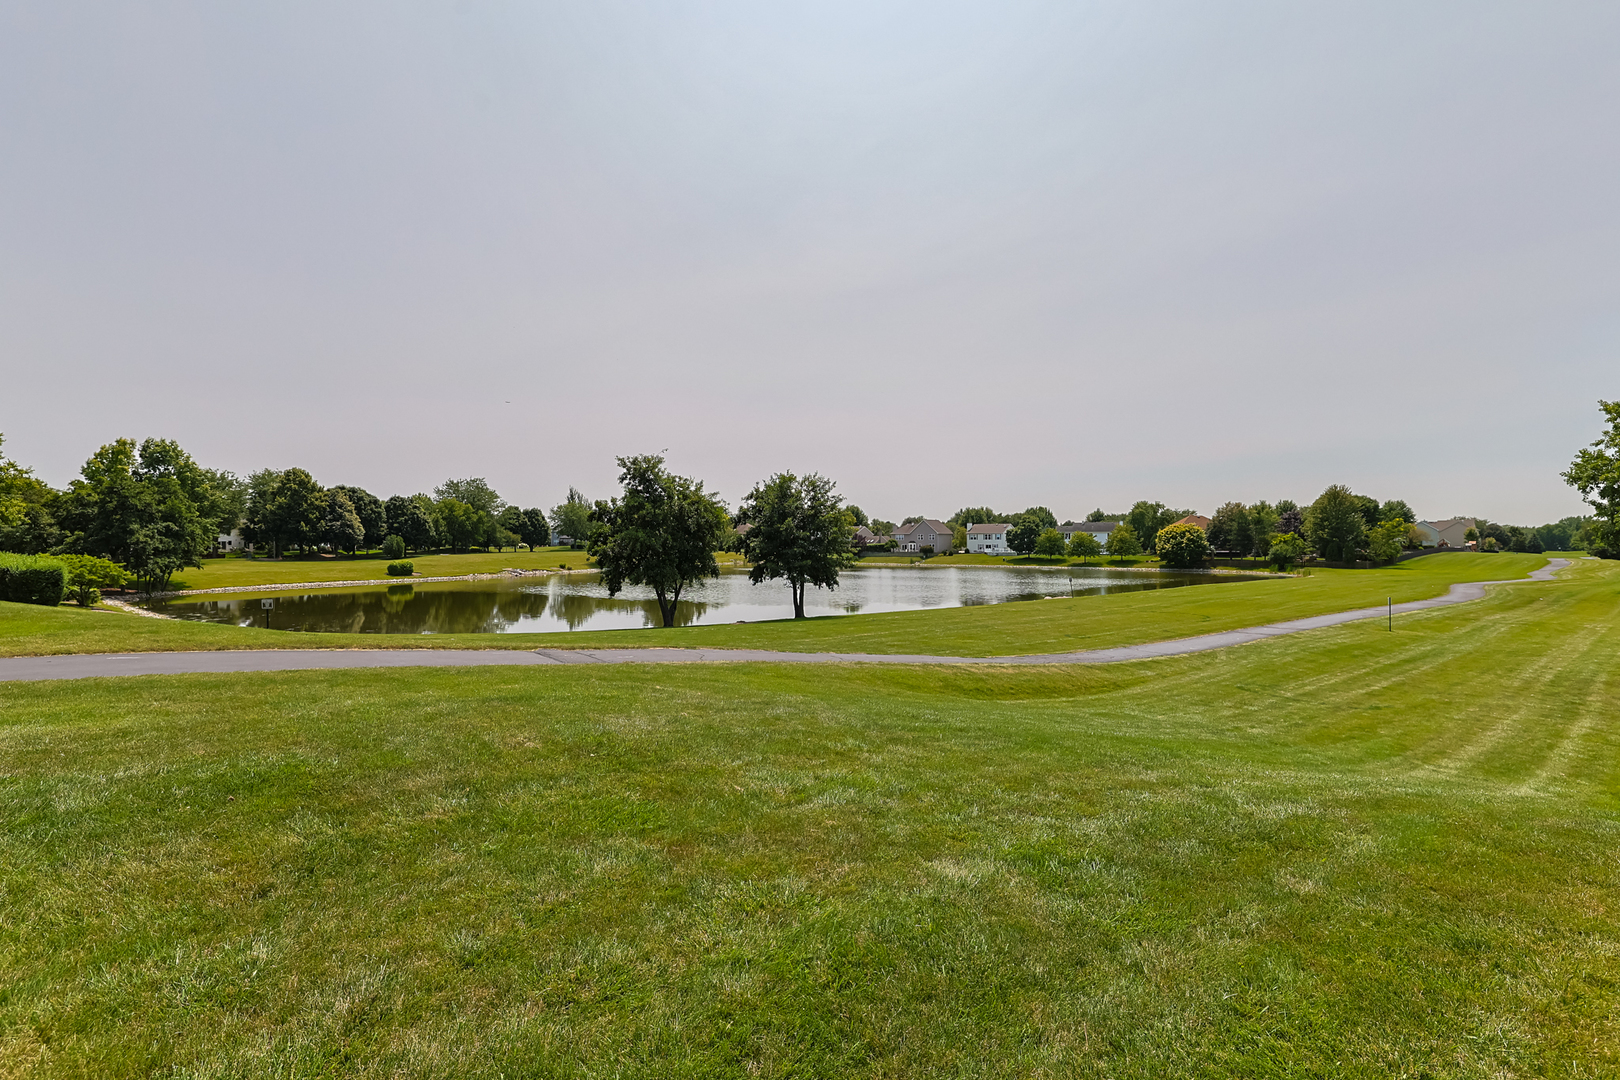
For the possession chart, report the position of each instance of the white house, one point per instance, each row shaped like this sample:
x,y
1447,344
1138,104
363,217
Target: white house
x,y
232,541
926,534
988,539
1451,533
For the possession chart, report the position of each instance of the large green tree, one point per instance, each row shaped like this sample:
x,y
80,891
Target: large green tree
x,y
1147,518
1231,529
1182,546
572,518
342,530
1595,473
1024,532
371,511
1123,542
150,508
799,530
661,533
27,521
297,513
1334,524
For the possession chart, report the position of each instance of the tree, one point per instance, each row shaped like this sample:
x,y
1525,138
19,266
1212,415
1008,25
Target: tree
x,y
1123,542
661,533
1182,546
1334,525
1083,546
973,515
572,518
857,515
1386,542
1098,515
1023,533
797,529
1595,473
959,538
1396,510
297,514
463,524
881,527
141,508
1471,536
87,575
1290,518
1264,518
912,520
342,529
27,525
1042,515
393,546
535,529
1286,549
1232,529
417,522
1147,518
1049,544
474,492
1369,508
372,513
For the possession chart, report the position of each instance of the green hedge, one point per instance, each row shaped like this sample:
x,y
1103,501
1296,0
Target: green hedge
x,y
401,569
32,579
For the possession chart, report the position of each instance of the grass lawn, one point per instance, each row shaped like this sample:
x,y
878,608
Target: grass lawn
x,y
1346,853
990,630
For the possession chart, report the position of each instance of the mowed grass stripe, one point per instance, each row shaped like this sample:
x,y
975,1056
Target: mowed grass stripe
x,y
1188,867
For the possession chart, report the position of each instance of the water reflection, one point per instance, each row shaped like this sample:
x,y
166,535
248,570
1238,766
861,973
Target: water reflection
x,y
580,601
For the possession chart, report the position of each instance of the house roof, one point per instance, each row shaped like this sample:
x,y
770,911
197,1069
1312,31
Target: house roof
x,y
988,528
1194,519
939,528
1094,526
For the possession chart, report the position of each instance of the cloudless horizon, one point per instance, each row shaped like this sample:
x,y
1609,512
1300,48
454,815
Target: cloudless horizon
x,y
946,254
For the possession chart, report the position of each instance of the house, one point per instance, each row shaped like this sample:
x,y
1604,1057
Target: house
x,y
1451,533
1099,530
1194,519
232,541
988,539
925,535
866,538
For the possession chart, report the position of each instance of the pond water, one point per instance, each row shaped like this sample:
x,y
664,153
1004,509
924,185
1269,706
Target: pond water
x,y
581,602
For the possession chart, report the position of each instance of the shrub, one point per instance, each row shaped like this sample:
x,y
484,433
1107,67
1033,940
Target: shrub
x,y
1286,550
1182,546
32,579
87,575
393,547
401,569
1489,544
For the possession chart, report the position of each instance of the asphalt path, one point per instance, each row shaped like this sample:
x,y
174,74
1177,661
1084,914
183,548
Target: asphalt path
x,y
100,665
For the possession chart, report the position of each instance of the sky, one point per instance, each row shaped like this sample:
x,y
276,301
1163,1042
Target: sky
x,y
948,254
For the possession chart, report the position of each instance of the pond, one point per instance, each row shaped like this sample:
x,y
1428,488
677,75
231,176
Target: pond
x,y
580,601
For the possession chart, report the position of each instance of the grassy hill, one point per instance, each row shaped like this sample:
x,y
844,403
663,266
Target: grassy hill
x,y
1344,853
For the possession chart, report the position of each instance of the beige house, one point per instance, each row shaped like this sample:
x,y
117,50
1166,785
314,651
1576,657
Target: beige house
x,y
925,534
1451,533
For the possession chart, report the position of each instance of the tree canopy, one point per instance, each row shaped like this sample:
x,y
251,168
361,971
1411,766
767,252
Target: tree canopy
x,y
1334,524
799,530
1123,542
1182,546
661,533
1595,473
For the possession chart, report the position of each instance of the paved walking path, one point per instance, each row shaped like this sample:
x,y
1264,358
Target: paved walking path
x,y
33,668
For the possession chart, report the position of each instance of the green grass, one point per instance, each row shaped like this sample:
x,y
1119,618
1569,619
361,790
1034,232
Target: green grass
x,y
1346,853
990,630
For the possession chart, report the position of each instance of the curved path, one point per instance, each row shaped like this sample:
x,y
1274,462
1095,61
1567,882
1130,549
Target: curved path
x,y
81,666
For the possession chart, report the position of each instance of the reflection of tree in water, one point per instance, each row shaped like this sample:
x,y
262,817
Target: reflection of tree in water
x,y
576,610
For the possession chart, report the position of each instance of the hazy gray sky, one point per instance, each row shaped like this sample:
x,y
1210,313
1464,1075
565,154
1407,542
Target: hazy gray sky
x,y
946,254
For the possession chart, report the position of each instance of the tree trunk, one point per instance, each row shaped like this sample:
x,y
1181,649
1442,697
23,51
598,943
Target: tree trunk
x,y
798,599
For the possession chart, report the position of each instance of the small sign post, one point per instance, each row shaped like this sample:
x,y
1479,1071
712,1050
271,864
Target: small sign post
x,y
1391,602
267,605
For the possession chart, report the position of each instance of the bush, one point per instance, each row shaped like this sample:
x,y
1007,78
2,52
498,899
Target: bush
x,y
1182,546
1286,550
32,579
393,547
87,575
401,569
